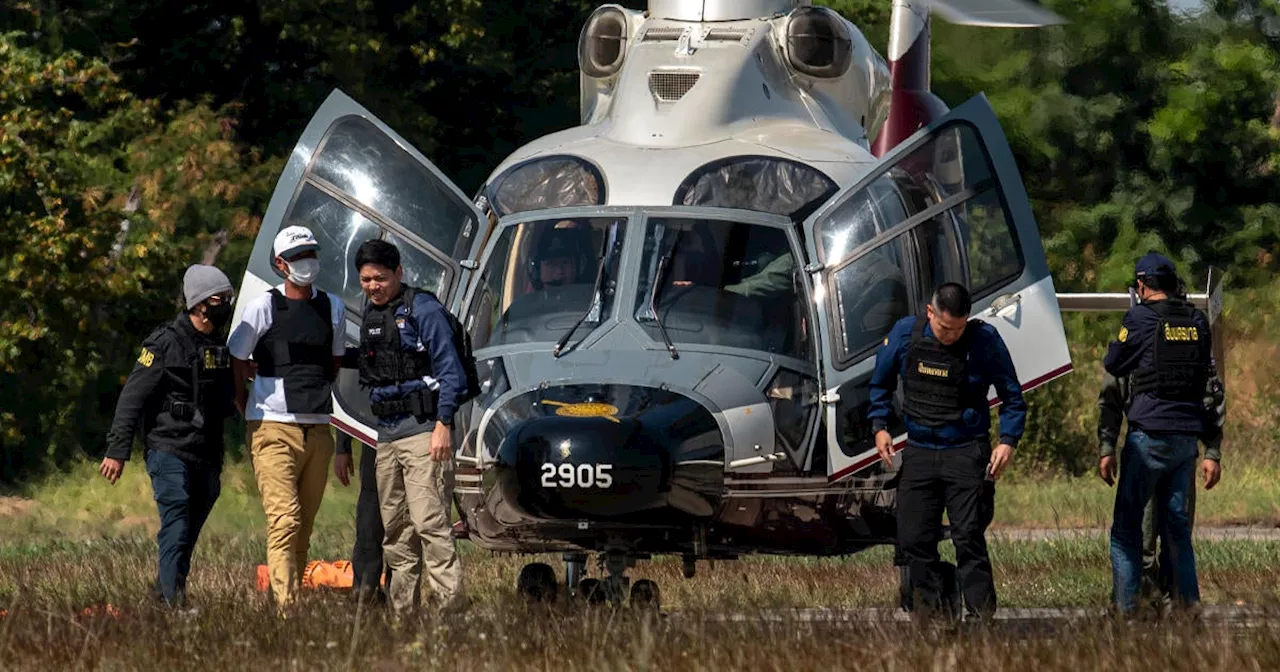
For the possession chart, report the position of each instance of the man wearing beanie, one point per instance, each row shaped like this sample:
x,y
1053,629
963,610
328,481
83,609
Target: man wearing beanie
x,y
180,393
294,335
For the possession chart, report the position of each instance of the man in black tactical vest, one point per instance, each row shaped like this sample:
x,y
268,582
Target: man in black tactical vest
x,y
293,334
1165,348
180,393
413,365
947,364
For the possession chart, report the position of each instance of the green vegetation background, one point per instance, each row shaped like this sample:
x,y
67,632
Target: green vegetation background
x,y
1136,127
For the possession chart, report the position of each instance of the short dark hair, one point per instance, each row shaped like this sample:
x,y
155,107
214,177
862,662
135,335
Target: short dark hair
x,y
952,298
378,252
1161,283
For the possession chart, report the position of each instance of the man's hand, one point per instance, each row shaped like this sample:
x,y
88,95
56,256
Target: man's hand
x,y
1212,472
1000,459
242,400
884,446
111,468
1107,470
441,442
343,468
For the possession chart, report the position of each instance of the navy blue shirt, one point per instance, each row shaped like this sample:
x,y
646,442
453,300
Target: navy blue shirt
x,y
427,330
989,364
1135,348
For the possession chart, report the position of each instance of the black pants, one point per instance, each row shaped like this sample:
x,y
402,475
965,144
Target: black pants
x,y
955,480
366,557
185,492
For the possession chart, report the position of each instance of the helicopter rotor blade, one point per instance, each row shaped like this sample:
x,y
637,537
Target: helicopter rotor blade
x,y
995,13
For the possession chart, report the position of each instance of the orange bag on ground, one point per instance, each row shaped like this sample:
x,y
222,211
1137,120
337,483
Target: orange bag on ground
x,y
328,574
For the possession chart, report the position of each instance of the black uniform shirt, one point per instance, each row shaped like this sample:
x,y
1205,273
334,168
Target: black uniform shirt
x,y
165,371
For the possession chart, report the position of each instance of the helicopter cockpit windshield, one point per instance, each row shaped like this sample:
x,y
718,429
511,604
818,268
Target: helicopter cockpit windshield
x,y
723,283
540,280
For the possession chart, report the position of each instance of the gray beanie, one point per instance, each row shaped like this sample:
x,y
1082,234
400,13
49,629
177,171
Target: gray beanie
x,y
202,282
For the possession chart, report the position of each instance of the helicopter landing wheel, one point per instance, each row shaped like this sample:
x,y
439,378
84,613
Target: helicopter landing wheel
x,y
537,583
645,595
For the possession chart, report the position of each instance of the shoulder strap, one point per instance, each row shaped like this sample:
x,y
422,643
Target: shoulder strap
x,y
278,301
917,329
407,299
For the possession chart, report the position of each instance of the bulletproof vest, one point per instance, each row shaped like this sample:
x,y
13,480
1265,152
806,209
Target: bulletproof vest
x,y
298,348
210,384
1179,368
383,360
936,383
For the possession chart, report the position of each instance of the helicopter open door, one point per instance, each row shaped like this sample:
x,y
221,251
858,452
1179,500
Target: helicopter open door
x,y
350,179
947,204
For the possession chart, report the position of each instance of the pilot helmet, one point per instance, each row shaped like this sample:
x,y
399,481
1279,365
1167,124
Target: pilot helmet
x,y
567,240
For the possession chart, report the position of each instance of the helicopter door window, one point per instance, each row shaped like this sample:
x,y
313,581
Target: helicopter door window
x,y
871,294
359,160
540,279
938,247
995,255
420,270
723,283
340,231
861,218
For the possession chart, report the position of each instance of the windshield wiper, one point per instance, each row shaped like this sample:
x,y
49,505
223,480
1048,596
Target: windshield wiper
x,y
656,287
597,297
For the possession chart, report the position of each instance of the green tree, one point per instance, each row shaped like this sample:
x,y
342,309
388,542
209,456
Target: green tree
x,y
81,287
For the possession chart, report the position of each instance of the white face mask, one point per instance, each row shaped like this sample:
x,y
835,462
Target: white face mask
x,y
303,271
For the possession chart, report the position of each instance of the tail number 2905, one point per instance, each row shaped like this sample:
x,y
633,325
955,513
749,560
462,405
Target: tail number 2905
x,y
576,475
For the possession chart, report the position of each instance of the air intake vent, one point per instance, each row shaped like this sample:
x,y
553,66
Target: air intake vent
x,y
662,34
726,34
669,87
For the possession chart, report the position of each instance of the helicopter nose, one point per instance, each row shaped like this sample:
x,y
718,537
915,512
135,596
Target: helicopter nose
x,y
612,460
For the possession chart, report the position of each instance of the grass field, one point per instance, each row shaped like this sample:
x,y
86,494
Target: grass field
x,y
74,542
47,583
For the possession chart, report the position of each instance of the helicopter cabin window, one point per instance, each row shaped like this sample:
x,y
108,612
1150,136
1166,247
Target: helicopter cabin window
x,y
715,282
759,183
363,163
545,183
541,278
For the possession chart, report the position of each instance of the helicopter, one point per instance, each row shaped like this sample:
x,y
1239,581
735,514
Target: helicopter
x,y
675,306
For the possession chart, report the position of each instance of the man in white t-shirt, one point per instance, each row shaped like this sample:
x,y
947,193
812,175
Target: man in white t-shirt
x,y
294,334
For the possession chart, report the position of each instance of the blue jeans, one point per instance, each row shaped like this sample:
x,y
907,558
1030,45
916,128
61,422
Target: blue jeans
x,y
184,492
1155,467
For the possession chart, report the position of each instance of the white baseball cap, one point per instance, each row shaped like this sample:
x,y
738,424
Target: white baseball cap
x,y
293,240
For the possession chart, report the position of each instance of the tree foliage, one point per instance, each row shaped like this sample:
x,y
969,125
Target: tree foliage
x,y
80,287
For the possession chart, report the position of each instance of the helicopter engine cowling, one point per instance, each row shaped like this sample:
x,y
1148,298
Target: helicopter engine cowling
x,y
616,453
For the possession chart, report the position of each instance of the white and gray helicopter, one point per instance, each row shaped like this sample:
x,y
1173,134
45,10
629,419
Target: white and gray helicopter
x,y
675,306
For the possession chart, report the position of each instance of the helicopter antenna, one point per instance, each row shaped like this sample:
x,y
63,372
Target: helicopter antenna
x,y
911,104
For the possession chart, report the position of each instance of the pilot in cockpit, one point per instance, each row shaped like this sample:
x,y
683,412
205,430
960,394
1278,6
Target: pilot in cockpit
x,y
562,257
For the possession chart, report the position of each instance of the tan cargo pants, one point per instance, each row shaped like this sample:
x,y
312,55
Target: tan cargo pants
x,y
291,466
415,494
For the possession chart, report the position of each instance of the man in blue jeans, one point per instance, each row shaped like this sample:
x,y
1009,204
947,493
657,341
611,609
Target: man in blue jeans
x,y
179,393
1165,347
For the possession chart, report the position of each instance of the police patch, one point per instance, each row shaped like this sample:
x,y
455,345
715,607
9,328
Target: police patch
x,y
146,357
1124,333
400,323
